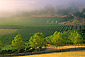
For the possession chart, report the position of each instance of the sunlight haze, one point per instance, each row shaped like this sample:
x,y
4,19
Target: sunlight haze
x,y
8,6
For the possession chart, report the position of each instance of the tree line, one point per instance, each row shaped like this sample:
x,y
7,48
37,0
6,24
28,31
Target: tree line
x,y
38,40
54,11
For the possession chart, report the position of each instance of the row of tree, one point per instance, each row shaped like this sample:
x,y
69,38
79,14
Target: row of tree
x,y
59,38
53,11
38,40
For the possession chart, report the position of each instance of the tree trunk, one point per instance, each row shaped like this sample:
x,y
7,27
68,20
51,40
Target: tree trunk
x,y
18,51
75,47
40,49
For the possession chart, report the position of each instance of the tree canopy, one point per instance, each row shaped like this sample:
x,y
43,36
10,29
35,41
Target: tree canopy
x,y
1,44
37,40
57,39
76,38
18,43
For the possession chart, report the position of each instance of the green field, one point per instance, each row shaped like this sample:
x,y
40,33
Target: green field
x,y
28,31
46,30
25,21
7,31
28,26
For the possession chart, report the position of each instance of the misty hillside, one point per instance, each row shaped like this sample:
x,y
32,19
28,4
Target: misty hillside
x,y
47,15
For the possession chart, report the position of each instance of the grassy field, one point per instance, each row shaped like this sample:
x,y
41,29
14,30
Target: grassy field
x,y
7,31
28,26
29,20
28,31
61,54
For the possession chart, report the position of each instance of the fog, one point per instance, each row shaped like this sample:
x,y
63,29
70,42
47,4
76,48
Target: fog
x,y
8,7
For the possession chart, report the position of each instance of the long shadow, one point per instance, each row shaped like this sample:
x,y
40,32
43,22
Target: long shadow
x,y
57,51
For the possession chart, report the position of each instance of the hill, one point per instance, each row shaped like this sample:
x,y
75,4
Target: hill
x,y
81,21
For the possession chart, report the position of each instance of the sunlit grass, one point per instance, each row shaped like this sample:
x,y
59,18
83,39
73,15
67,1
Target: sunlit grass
x,y
6,31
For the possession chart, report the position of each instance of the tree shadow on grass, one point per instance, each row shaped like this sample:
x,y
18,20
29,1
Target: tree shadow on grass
x,y
43,51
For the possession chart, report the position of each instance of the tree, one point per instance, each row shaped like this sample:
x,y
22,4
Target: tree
x,y
65,35
57,39
82,33
71,9
1,44
78,14
37,40
48,39
74,21
76,38
56,22
70,17
18,43
83,10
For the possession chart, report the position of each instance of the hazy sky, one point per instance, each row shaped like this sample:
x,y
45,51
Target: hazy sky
x,y
15,5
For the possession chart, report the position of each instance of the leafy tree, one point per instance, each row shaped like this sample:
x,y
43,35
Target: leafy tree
x,y
56,22
83,10
1,44
57,39
48,39
74,21
82,32
76,38
65,35
71,9
78,14
37,40
69,16
18,43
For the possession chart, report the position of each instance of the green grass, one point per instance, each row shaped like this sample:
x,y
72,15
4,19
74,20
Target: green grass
x,y
7,47
28,20
27,26
7,31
